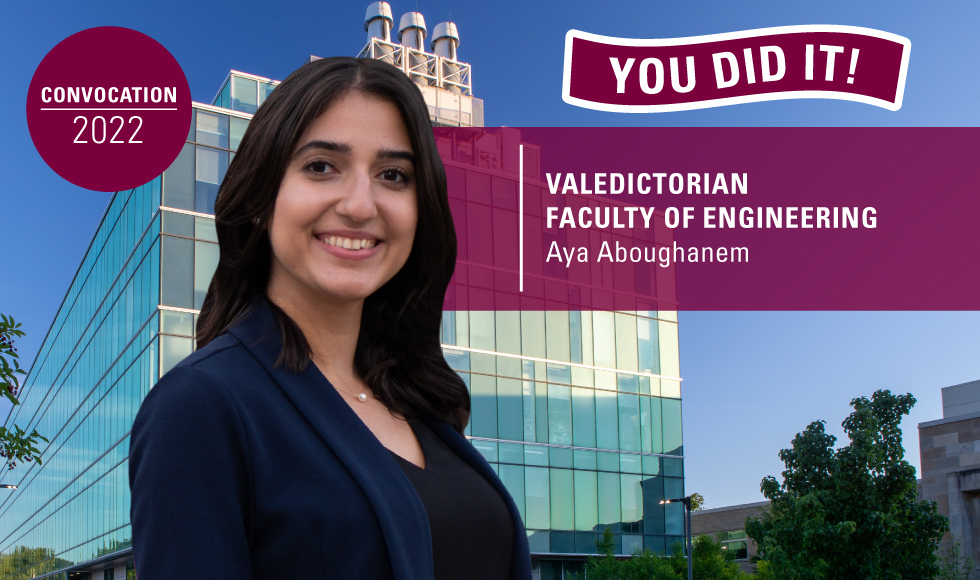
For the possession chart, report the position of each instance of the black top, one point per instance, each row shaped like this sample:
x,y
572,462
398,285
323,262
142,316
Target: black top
x,y
472,531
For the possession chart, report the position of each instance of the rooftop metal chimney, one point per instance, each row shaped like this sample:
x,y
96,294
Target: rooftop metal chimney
x,y
378,21
411,30
445,40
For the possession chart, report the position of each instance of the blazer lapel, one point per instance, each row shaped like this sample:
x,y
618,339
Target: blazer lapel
x,y
399,510
521,562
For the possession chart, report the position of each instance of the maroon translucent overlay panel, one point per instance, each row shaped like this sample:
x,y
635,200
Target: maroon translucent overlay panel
x,y
868,218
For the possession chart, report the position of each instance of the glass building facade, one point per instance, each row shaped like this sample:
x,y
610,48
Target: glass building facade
x,y
578,412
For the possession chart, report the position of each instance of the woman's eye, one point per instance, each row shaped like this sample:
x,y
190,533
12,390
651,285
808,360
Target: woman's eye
x,y
394,175
321,167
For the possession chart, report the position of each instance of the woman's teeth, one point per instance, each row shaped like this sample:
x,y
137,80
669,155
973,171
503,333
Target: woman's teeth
x,y
349,243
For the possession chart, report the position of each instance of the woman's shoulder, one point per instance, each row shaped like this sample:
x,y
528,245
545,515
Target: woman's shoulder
x,y
213,378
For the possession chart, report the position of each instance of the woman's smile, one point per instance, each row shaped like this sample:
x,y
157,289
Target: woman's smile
x,y
350,245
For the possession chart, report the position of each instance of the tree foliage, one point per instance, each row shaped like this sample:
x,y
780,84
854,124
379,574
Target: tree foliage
x,y
710,562
697,502
15,444
851,512
953,564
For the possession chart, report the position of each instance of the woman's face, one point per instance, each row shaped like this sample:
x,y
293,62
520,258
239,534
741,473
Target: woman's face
x,y
344,219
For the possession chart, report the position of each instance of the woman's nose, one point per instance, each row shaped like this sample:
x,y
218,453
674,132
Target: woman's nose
x,y
358,202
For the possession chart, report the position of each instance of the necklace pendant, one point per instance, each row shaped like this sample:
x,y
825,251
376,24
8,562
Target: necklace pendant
x,y
362,397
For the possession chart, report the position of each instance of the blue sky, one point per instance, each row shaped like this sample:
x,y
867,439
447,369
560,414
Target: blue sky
x,y
752,380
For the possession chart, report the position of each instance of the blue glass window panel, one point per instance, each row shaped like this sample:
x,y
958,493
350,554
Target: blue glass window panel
x,y
648,343
673,467
653,511
674,512
608,461
205,262
177,257
486,448
626,383
563,542
583,417
673,439
629,422
212,129
560,457
536,455
630,463
204,229
586,500
510,405
585,543
178,180
265,89
575,335
530,408
458,360
236,130
539,542
483,405
209,172
584,459
511,453
537,490
177,322
562,500
512,477
609,499
559,415
656,426
559,374
655,544
179,224
607,419
244,95
173,349
224,98
632,543
651,465
541,412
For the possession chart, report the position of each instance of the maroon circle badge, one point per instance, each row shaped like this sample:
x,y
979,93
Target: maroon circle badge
x,y
109,108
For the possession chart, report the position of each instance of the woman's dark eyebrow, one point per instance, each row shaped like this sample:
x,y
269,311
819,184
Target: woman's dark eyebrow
x,y
396,154
328,145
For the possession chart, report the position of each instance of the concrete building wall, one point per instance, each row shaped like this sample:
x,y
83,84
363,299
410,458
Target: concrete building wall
x,y
950,467
960,400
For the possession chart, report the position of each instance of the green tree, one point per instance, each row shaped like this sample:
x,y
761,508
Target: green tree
x,y
850,512
697,502
953,565
644,565
15,444
711,562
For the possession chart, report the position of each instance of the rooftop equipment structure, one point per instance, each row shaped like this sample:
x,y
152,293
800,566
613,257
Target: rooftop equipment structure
x,y
377,24
378,21
445,41
411,35
445,82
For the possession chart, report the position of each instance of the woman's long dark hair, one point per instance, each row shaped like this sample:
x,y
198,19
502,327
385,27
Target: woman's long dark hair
x,y
398,353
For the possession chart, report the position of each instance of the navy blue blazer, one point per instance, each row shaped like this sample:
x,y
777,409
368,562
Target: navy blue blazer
x,y
242,470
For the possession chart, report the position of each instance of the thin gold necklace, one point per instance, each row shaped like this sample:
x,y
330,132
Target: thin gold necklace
x,y
361,397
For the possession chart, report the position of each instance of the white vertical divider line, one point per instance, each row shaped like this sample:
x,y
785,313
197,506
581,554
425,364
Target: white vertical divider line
x,y
520,216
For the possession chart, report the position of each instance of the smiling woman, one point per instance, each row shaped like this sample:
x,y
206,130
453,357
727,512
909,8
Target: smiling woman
x,y
337,246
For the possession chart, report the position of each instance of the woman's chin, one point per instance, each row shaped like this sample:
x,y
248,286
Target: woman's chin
x,y
347,292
